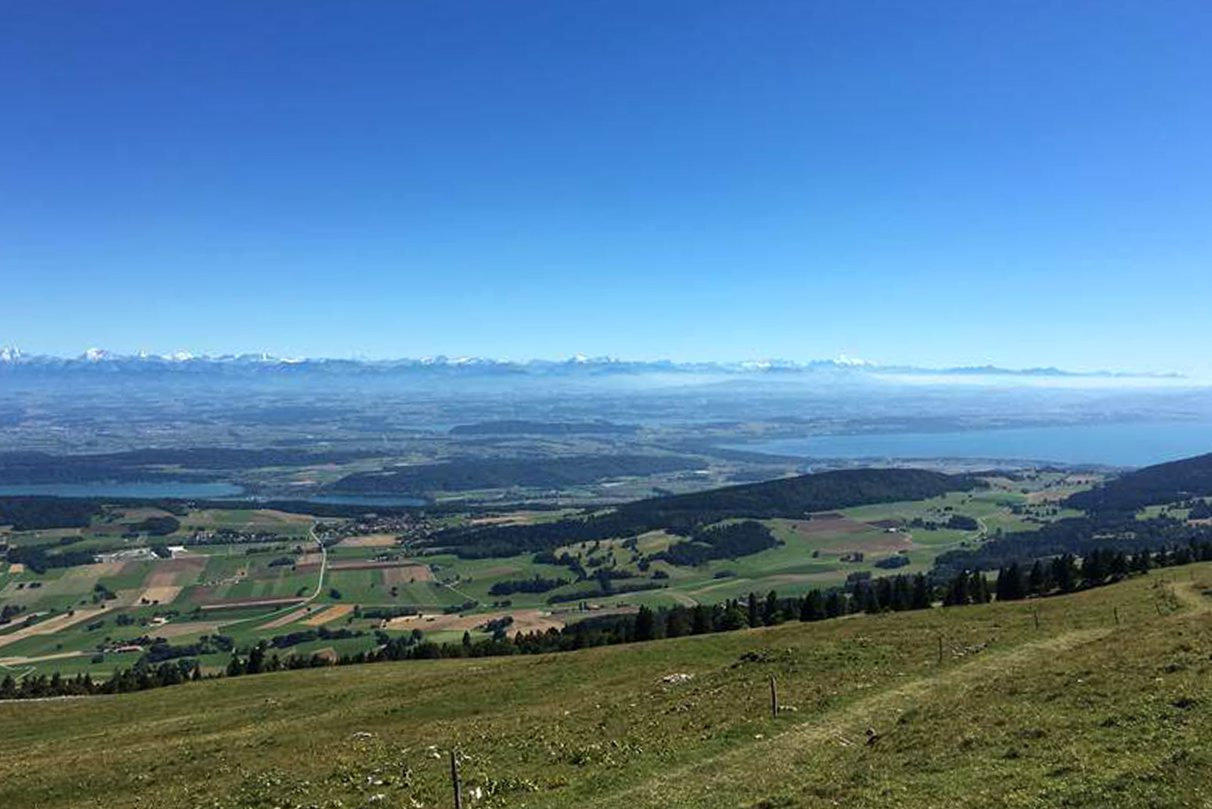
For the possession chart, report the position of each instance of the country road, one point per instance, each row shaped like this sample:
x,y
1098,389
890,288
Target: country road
x,y
323,563
315,593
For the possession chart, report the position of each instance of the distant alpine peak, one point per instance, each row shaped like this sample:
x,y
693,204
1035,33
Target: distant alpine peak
x,y
853,362
585,359
10,354
95,354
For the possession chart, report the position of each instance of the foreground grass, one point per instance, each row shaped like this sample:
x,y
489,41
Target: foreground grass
x,y
1079,712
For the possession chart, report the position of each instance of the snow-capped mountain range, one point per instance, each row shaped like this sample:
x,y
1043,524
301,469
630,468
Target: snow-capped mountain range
x,y
12,359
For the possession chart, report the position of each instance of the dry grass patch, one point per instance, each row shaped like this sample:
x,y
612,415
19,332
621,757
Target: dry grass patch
x,y
169,577
406,574
326,616
841,534
369,541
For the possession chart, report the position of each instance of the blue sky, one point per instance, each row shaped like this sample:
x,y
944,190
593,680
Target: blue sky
x,y
1022,183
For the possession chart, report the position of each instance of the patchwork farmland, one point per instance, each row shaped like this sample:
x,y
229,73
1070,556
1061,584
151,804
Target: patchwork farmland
x,y
252,575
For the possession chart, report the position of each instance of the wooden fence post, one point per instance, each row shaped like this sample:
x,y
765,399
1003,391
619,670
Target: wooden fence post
x,y
774,699
1117,616
454,779
940,650
1035,615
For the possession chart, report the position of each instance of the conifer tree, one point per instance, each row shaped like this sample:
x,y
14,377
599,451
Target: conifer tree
x,y
645,624
1037,580
771,614
234,666
957,593
865,598
834,605
921,592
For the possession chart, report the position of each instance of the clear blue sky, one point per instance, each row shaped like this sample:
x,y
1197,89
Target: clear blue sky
x,y
1022,183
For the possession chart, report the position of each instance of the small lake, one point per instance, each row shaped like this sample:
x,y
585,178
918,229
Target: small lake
x,y
146,491
1119,444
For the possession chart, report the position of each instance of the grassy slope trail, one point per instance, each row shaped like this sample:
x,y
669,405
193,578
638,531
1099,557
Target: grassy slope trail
x,y
768,765
1079,712
701,783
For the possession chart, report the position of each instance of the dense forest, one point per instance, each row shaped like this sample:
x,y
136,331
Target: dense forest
x,y
1074,535
495,473
38,559
1152,485
33,513
538,584
684,514
797,496
720,542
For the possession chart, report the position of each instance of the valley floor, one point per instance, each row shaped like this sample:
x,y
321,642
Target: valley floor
x,y
1106,703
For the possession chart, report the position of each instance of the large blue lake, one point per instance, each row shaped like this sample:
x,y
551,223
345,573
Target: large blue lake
x,y
1120,444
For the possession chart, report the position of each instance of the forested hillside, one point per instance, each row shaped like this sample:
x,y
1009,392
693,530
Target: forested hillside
x,y
1163,483
684,514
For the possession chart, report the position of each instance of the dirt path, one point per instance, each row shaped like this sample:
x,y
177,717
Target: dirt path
x,y
695,783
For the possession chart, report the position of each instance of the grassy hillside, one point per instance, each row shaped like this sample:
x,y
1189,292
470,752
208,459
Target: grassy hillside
x,y
1080,711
